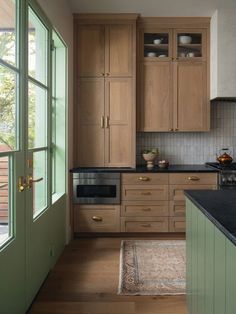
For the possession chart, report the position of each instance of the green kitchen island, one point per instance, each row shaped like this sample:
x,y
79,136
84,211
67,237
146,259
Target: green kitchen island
x,y
211,251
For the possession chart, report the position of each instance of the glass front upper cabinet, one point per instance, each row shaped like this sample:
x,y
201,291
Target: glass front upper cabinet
x,y
190,44
157,45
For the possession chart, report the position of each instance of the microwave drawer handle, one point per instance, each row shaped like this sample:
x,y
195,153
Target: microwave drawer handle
x,y
144,179
146,225
193,178
146,193
96,218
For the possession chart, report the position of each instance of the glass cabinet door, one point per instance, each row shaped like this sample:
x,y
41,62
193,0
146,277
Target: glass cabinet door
x,y
157,45
190,44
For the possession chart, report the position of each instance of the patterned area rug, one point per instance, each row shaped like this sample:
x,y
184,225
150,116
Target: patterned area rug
x,y
152,267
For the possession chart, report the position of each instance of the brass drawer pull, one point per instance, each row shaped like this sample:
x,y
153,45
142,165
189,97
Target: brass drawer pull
x,y
102,122
147,209
192,178
146,193
97,218
146,225
144,179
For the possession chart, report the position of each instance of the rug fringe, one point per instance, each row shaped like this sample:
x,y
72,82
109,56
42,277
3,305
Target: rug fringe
x,y
121,268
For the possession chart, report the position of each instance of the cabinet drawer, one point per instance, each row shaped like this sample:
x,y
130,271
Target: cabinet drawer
x,y
193,178
148,192
147,224
177,191
177,208
145,178
104,218
177,224
140,208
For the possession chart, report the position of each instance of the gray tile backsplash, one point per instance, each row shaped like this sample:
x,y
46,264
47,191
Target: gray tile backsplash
x,y
194,148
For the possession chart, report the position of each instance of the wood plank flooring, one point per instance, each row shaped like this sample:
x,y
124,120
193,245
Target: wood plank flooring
x,y
85,281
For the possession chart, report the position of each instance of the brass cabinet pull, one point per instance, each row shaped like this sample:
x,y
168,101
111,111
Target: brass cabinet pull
x,y
147,209
146,193
144,179
97,218
107,74
176,129
146,225
171,129
193,178
102,122
107,122
102,74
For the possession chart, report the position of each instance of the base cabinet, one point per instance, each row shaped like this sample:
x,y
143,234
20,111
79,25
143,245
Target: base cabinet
x,y
211,260
97,218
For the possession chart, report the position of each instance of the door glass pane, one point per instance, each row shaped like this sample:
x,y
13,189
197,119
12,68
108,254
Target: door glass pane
x,y
40,185
5,227
189,45
7,31
156,45
7,109
37,116
37,51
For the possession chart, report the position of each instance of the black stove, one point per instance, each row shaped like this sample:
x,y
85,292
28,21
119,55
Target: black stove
x,y
219,166
227,174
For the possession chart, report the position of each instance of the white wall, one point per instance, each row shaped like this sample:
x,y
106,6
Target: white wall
x,y
60,15
153,7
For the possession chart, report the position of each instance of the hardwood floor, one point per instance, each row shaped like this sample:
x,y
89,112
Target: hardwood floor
x,y
85,281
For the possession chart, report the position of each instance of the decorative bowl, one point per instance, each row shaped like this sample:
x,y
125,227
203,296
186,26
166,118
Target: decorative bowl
x,y
151,54
150,158
184,39
157,41
163,164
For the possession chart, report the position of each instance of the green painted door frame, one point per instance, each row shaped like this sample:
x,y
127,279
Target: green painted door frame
x,y
36,240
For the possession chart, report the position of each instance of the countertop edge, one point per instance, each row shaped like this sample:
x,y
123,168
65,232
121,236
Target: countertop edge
x,y
211,218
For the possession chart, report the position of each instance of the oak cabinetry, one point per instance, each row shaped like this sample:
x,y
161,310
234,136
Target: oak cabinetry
x,y
186,181
173,75
105,51
144,203
97,218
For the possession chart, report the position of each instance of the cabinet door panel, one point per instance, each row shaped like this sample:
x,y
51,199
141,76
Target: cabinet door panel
x,y
156,96
119,52
90,147
191,109
119,137
91,50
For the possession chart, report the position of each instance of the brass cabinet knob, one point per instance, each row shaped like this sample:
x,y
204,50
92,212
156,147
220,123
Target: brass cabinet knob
x,y
102,74
107,74
176,129
146,225
193,178
146,193
146,209
144,179
97,218
171,129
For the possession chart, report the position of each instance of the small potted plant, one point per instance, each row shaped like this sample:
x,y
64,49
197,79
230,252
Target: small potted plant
x,y
150,155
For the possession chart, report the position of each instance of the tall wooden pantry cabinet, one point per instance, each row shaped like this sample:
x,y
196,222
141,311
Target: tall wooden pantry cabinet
x,y
105,55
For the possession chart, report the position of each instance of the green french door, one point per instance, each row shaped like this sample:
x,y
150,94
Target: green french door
x,y
32,151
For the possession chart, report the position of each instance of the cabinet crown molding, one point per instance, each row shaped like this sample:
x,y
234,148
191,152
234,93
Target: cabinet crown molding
x,y
87,18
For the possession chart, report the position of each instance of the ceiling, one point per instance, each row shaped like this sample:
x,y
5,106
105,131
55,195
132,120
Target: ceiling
x,y
153,7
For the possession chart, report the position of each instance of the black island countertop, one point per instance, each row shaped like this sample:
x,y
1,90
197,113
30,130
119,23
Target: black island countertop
x,y
140,169
220,208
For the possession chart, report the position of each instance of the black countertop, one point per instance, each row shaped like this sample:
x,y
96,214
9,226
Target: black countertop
x,y
220,207
139,169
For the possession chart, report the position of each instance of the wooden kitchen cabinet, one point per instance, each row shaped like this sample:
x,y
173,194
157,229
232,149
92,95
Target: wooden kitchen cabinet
x,y
105,92
173,76
156,96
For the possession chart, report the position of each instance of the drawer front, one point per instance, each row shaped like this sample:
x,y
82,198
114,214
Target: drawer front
x,y
177,208
148,192
149,224
177,224
177,191
142,209
97,219
145,178
193,178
